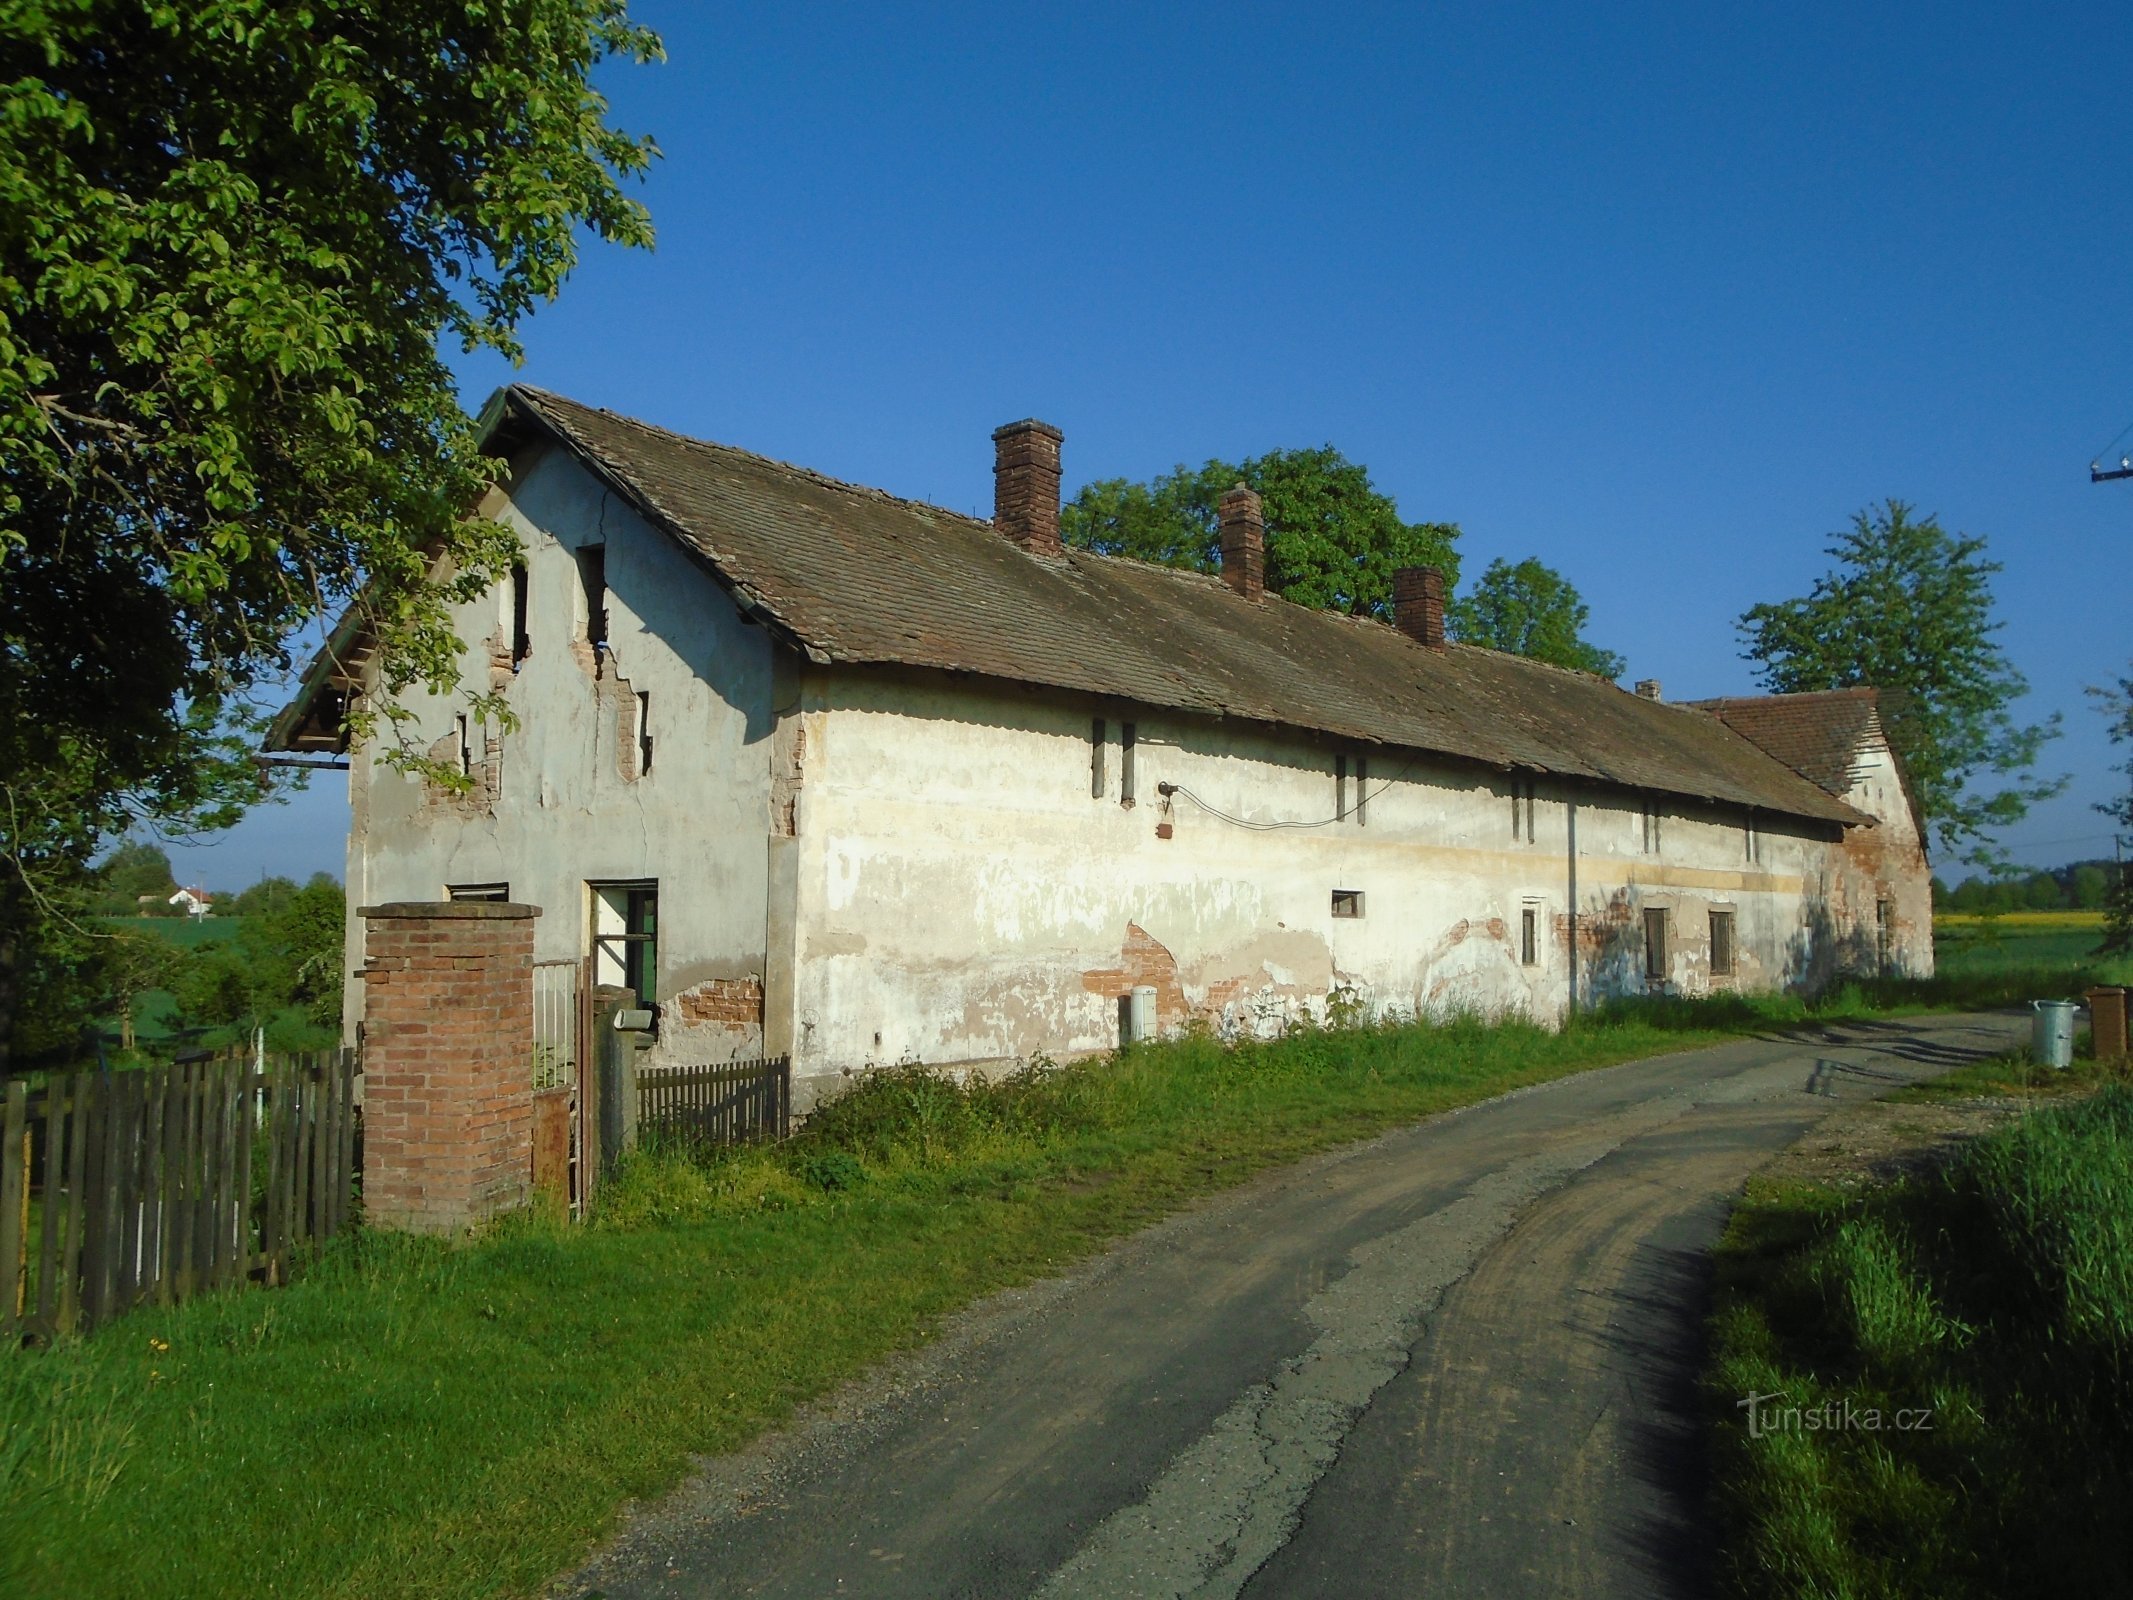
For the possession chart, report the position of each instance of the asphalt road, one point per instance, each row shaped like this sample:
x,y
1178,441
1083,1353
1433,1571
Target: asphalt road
x,y
1456,1360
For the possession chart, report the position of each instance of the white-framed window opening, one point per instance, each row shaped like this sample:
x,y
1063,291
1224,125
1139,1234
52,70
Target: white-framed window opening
x,y
625,937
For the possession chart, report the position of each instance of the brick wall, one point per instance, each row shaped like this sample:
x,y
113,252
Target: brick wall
x,y
447,1062
728,1002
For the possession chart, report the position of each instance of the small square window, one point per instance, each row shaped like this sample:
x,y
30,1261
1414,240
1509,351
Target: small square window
x,y
477,891
1347,902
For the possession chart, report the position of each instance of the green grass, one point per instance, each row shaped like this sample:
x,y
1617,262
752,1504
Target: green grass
x,y
1993,1301
188,932
413,1418
419,1419
2061,950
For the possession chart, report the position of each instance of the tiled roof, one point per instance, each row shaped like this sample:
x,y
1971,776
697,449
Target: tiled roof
x,y
855,576
1818,735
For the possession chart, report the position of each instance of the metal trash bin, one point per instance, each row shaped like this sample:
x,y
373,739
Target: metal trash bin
x,y
2051,1032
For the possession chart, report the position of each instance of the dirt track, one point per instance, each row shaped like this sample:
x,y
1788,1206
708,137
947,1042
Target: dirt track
x,y
1454,1360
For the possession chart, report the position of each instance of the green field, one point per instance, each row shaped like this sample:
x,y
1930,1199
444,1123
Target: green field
x,y
2060,946
187,932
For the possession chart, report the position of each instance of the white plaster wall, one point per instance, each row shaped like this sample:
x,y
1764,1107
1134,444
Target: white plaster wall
x,y
566,810
962,897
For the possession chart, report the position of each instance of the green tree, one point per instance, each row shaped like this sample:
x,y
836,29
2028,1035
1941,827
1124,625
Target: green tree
x,y
1908,611
232,235
2116,703
135,879
285,961
1333,539
262,899
2091,886
1530,610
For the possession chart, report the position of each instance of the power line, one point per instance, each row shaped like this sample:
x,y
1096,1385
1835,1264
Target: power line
x,y
1361,799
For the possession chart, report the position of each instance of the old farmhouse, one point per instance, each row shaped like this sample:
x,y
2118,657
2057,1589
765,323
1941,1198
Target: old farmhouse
x,y
814,769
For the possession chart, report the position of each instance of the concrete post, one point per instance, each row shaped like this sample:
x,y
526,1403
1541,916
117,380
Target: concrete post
x,y
447,1062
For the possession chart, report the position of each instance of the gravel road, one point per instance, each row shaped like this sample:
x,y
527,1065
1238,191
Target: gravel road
x,y
1454,1360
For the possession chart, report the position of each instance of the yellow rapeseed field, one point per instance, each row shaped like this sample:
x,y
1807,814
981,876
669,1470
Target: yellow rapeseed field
x,y
2065,921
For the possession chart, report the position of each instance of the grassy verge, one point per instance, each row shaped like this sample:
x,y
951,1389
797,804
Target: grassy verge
x,y
1946,1365
417,1419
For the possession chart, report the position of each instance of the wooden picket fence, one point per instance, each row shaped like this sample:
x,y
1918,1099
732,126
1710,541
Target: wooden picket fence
x,y
119,1189
738,1103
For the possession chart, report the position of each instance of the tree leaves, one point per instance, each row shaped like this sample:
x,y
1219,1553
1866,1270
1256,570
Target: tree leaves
x,y
231,236
1333,540
1908,611
1530,610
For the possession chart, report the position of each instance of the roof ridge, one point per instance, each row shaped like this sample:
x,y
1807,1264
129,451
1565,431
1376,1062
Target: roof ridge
x,y
1857,691
862,490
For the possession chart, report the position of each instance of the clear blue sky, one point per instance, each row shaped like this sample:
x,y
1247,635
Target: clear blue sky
x,y
1659,295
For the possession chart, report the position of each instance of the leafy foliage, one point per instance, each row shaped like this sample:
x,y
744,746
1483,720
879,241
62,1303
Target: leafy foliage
x,y
1908,611
289,956
2116,703
231,235
1333,540
1530,610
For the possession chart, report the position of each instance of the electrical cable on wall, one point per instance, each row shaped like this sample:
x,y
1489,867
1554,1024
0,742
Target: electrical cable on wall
x,y
1362,799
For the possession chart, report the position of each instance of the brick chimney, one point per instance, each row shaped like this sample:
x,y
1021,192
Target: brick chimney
x,y
1418,604
1243,542
1025,484
1648,689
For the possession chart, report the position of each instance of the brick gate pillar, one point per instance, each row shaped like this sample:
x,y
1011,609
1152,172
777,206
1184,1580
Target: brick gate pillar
x,y
447,1062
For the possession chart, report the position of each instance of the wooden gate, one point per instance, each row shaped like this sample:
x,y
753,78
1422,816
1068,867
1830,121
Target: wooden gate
x,y
562,1070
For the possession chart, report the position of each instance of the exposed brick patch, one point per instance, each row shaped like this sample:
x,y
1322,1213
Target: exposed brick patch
x,y
723,1002
447,1053
788,772
1142,960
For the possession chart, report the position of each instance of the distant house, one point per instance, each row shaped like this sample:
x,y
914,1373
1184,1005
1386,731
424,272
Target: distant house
x,y
814,769
197,902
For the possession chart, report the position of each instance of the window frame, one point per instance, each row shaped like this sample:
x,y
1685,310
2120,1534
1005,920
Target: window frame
x,y
1657,956
1529,936
1722,918
478,893
633,951
1348,905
